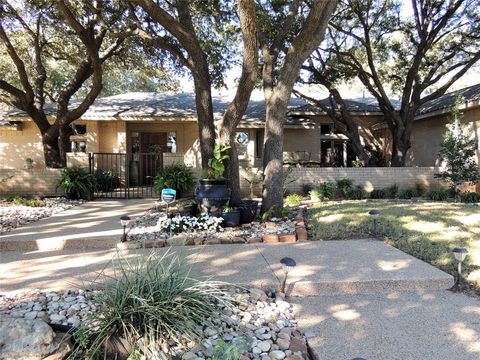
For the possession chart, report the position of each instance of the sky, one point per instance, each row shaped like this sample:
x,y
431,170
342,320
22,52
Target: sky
x,y
354,90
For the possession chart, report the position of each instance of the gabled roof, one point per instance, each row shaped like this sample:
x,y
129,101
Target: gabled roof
x,y
469,94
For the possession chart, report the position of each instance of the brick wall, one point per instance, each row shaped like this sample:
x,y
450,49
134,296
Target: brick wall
x,y
40,182
368,178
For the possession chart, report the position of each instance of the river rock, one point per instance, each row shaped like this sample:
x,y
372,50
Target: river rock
x,y
26,339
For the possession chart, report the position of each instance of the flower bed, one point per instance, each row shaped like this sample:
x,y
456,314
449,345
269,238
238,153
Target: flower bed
x,y
154,229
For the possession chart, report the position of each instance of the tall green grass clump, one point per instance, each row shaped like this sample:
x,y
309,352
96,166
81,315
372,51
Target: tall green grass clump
x,y
149,305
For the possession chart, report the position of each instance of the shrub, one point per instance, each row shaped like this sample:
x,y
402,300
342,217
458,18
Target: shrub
x,y
107,180
150,304
343,186
176,176
470,197
328,189
78,183
316,194
286,212
392,191
307,188
378,194
420,189
19,200
407,194
438,194
293,199
356,193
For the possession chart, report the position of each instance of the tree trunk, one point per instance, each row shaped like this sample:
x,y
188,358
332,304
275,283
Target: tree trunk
x,y
64,145
233,175
272,192
237,108
51,150
399,150
206,126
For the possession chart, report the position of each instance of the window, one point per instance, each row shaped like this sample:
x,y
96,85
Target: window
x,y
172,142
325,129
79,129
79,146
241,138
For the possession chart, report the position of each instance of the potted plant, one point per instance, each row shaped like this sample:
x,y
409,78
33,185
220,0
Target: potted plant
x,y
231,217
212,193
248,211
29,163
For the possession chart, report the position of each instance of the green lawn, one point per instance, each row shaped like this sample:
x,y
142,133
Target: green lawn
x,y
426,230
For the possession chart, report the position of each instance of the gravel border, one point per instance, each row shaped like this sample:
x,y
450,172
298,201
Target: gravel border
x,y
13,216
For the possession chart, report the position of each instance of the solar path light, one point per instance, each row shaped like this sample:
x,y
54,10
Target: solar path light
x,y
287,264
460,255
374,214
124,220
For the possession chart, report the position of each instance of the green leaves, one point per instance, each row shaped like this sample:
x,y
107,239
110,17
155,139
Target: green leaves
x,y
78,183
175,176
150,303
458,151
216,168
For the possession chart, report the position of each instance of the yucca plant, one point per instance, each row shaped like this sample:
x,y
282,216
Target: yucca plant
x,y
149,304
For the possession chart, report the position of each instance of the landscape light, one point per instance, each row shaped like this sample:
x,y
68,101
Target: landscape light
x,y
374,214
287,264
460,255
124,220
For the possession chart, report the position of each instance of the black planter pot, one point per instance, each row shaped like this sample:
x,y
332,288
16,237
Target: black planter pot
x,y
231,219
248,211
212,195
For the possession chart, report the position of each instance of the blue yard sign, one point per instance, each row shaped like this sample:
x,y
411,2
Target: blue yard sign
x,y
168,195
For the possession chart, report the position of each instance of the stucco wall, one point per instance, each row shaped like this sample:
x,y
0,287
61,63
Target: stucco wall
x,y
427,136
16,146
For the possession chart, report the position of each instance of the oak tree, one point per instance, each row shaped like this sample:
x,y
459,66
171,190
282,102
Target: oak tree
x,y
42,39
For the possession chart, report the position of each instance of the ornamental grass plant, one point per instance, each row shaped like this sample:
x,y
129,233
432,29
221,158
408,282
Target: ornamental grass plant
x,y
149,306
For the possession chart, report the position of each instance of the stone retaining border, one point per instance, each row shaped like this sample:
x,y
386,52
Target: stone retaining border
x,y
300,234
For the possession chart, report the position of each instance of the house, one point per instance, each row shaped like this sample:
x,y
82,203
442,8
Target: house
x,y
141,122
117,130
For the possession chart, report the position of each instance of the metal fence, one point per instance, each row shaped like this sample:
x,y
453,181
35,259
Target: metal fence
x,y
125,176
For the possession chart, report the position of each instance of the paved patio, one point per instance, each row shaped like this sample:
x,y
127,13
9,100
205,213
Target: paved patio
x,y
94,224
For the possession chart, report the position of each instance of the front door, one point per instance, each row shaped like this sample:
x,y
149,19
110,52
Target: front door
x,y
154,144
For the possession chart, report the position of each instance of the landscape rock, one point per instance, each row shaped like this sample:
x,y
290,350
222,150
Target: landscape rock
x,y
26,339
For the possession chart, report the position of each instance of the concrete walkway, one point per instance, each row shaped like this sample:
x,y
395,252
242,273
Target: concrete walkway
x,y
371,300
323,267
94,224
423,325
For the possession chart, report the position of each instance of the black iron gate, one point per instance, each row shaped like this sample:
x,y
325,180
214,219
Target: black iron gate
x,y
125,176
